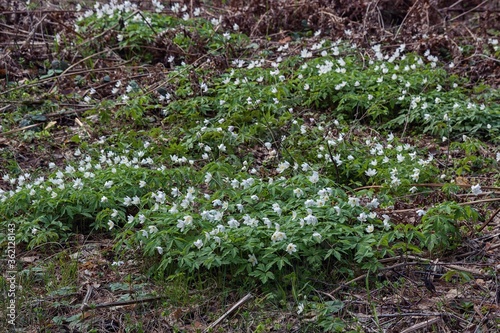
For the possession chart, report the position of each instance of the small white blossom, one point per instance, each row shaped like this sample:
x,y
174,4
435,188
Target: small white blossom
x,y
353,201
198,243
421,212
291,248
314,178
362,217
252,259
300,308
476,189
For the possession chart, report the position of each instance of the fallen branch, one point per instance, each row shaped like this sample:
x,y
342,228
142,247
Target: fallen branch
x,y
458,203
493,188
120,303
20,129
489,220
87,297
422,325
363,276
231,310
403,314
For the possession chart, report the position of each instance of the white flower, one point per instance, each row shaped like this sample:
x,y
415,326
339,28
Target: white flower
x,y
277,208
311,219
278,236
127,201
208,177
175,192
373,204
159,249
421,212
387,218
370,172
291,248
314,178
235,183
353,201
246,183
476,189
78,184
198,243
283,166
233,223
362,217
104,199
416,174
298,192
300,308
369,229
317,235
111,224
305,54
252,259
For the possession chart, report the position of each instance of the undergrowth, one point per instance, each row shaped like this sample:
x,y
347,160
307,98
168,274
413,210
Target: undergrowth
x,y
280,168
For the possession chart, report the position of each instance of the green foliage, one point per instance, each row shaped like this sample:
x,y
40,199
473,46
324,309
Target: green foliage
x,y
254,171
440,225
132,32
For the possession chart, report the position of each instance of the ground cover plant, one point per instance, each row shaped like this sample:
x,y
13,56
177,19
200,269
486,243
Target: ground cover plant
x,y
194,163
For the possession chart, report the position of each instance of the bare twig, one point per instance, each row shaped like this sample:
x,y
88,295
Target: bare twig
x,y
228,312
493,188
20,129
422,325
120,303
361,277
489,220
408,14
471,10
84,305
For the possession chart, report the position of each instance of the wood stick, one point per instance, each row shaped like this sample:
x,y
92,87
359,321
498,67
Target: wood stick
x,y
120,303
20,129
422,325
489,221
86,298
231,310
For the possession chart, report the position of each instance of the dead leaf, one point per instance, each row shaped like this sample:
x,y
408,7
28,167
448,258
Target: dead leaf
x,y
462,181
